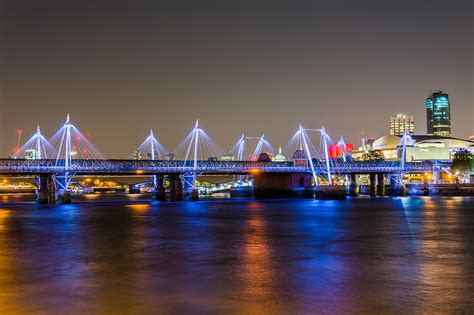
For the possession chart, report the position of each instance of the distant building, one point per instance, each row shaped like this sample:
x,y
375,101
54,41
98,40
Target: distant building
x,y
367,144
400,123
228,158
30,154
421,148
300,159
280,157
438,114
264,157
137,155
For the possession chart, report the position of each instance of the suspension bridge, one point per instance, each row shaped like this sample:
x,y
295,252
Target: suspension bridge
x,y
173,174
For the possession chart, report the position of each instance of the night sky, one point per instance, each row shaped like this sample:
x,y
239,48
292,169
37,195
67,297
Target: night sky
x,y
122,67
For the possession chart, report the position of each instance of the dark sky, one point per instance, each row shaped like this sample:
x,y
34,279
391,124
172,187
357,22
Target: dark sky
x,y
122,67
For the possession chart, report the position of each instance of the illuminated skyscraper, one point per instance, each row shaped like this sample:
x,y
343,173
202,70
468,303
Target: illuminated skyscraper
x,y
400,123
438,114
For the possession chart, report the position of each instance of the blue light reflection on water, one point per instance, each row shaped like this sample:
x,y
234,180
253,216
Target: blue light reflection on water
x,y
357,256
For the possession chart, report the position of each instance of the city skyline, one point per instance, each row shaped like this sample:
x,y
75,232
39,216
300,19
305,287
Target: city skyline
x,y
243,67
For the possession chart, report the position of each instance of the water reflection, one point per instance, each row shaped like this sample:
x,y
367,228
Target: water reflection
x,y
384,255
7,268
442,261
257,270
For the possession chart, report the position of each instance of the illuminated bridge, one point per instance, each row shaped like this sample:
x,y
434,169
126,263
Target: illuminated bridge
x,y
154,167
308,169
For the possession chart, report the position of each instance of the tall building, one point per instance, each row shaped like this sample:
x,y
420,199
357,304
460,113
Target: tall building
x,y
400,123
438,114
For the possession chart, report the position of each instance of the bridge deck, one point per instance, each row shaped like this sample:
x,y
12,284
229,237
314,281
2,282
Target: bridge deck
x,y
134,167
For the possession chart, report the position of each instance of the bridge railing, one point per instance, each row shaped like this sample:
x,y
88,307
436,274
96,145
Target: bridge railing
x,y
117,166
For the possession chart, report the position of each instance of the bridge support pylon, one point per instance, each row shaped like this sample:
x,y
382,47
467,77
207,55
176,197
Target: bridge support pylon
x,y
397,188
63,193
176,188
159,192
64,196
278,185
353,187
380,184
372,184
45,193
190,192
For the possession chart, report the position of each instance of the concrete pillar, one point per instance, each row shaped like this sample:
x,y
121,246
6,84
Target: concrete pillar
x,y
179,188
380,184
172,187
195,194
176,188
51,190
353,187
189,192
160,192
64,196
42,192
396,189
282,185
373,188
426,189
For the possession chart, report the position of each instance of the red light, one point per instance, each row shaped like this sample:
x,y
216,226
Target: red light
x,y
336,150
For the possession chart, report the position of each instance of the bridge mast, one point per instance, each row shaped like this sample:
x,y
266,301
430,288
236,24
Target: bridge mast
x,y
342,143
403,141
240,153
195,152
326,153
38,142
303,136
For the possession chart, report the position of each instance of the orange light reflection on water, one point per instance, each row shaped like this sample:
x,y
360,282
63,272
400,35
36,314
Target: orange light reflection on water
x,y
8,299
257,274
5,198
440,268
139,207
4,215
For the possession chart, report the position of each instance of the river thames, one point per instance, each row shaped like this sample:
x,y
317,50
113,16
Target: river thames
x,y
132,256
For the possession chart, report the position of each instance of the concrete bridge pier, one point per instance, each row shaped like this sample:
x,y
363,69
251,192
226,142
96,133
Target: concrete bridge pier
x,y
380,184
353,187
426,187
45,193
280,185
51,190
176,188
396,188
159,192
373,187
190,192
42,194
63,194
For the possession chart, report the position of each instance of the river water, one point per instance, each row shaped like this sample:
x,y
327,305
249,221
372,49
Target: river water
x,y
120,254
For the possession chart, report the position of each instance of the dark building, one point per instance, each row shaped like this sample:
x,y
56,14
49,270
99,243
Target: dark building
x,y
438,114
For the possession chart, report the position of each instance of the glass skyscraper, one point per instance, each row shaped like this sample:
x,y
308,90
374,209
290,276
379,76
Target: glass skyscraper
x,y
438,114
